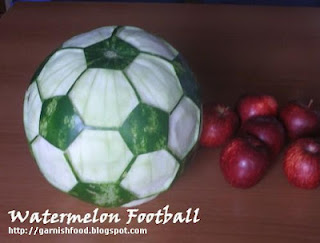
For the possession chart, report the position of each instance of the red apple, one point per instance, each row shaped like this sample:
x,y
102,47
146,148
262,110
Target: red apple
x,y
219,124
302,163
257,105
300,119
268,129
244,161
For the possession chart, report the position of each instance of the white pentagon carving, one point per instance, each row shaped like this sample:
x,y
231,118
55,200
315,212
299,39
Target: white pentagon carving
x,y
147,42
99,156
155,81
103,97
31,111
53,165
184,125
151,173
60,72
90,38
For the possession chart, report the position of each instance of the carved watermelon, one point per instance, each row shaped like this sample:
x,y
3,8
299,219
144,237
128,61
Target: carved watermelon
x,y
112,116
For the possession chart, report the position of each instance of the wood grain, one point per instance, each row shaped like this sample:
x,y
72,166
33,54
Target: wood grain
x,y
232,50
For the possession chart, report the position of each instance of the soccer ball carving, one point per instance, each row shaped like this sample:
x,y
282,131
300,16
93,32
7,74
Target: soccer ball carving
x,y
112,116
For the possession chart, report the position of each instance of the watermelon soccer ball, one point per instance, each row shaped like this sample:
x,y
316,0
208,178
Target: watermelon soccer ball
x,y
112,116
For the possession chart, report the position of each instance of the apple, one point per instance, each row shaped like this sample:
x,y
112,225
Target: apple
x,y
256,105
301,119
301,163
219,124
244,161
268,129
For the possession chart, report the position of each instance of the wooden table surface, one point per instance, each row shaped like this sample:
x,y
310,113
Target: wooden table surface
x,y
232,50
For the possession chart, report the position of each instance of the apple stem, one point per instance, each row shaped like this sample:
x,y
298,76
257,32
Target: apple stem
x,y
221,110
310,103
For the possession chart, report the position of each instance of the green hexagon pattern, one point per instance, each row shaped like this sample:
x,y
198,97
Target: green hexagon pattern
x,y
106,195
187,79
146,129
112,53
59,122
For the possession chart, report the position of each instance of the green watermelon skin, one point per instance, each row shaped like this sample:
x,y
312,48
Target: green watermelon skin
x,y
112,116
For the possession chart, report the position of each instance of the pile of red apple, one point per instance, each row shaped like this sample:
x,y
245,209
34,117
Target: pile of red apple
x,y
261,131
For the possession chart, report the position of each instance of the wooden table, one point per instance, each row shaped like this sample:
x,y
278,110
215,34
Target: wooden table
x,y
233,50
